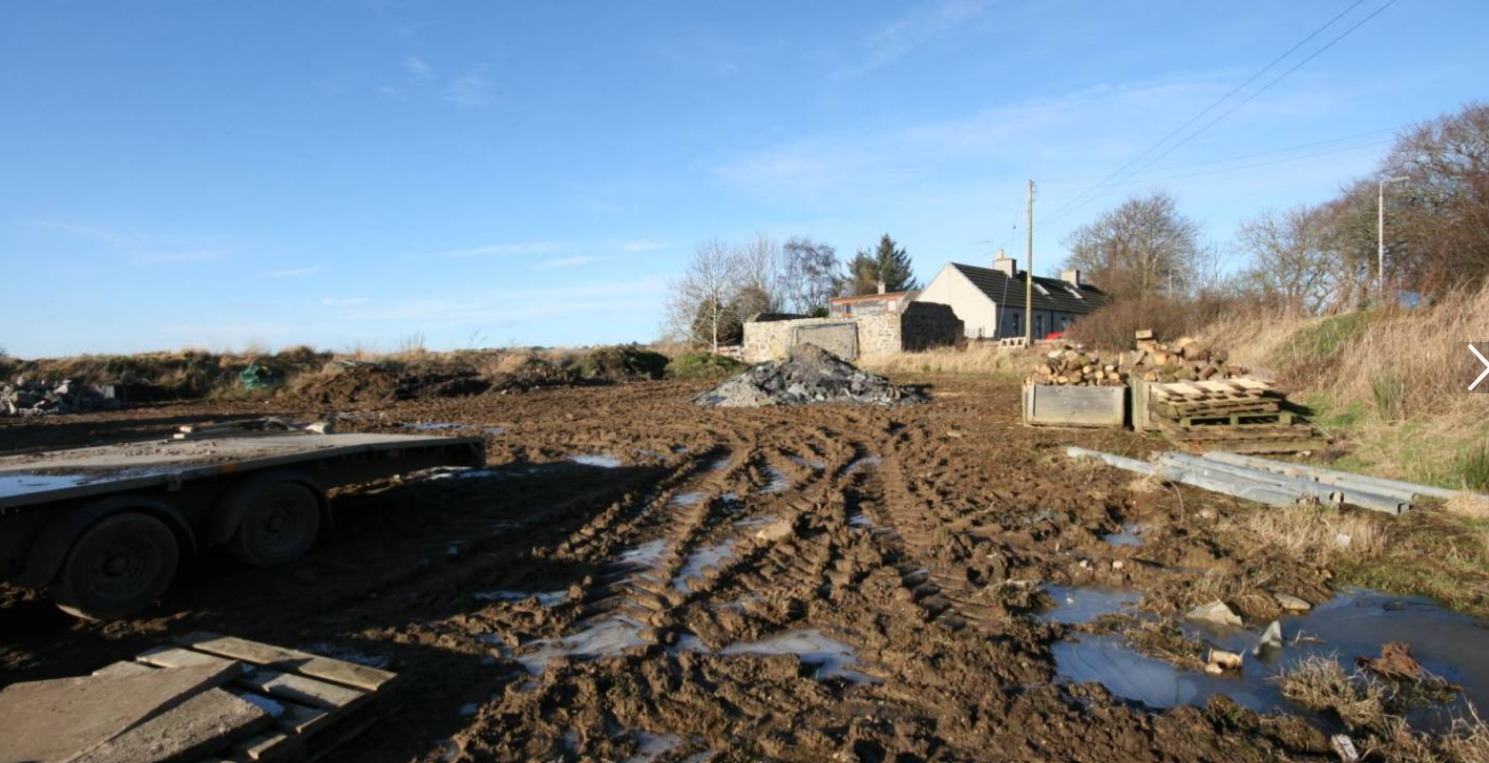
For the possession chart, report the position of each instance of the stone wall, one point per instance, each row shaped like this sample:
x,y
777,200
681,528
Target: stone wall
x,y
921,326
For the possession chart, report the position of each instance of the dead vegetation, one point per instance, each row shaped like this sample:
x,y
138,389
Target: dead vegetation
x,y
977,358
1313,535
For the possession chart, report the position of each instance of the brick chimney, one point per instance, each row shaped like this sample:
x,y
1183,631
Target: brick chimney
x,y
1072,277
1005,264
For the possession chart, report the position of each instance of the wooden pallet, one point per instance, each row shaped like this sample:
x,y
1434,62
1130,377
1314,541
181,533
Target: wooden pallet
x,y
1214,390
324,701
1236,420
1250,405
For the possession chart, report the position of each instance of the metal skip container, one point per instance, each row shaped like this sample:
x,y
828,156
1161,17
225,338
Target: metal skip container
x,y
1062,406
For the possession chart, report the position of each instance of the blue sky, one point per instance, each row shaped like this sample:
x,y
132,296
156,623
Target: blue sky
x,y
476,173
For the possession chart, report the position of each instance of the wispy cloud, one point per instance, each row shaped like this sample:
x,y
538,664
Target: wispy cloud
x,y
173,258
923,25
388,91
87,231
418,68
292,272
563,262
472,88
345,301
522,305
643,245
503,250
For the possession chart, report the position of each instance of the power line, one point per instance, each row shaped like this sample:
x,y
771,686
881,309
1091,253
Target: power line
x,y
1083,185
1130,180
1263,89
1238,88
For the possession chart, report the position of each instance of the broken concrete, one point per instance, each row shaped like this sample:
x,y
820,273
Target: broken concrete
x,y
1217,613
26,397
809,374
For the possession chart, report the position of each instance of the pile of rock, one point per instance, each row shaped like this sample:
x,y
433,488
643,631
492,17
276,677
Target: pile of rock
x,y
1073,366
809,374
1184,359
26,397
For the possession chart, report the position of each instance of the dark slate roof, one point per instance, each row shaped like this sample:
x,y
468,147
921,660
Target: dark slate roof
x,y
1009,292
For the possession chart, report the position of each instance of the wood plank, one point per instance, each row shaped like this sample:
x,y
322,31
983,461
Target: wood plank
x,y
204,724
269,748
290,660
176,657
310,691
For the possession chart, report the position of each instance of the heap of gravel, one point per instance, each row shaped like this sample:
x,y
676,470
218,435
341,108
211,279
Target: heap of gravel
x,y
809,374
27,397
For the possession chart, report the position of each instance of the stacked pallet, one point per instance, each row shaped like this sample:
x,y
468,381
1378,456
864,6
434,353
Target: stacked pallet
x,y
1239,415
1074,366
1184,359
314,703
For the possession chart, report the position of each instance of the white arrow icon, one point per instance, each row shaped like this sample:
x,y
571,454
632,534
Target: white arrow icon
x,y
1484,373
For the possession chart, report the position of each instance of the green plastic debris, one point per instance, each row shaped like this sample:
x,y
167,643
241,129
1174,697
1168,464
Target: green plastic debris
x,y
256,376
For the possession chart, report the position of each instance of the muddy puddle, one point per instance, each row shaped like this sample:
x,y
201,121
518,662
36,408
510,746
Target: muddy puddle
x,y
431,426
1131,535
601,637
828,657
863,462
1354,624
708,556
776,481
545,598
600,460
1078,606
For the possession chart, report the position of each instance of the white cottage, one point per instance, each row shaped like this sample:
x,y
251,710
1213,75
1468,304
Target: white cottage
x,y
990,301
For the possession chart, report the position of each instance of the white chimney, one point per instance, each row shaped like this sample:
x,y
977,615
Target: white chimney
x,y
881,286
1008,266
1072,277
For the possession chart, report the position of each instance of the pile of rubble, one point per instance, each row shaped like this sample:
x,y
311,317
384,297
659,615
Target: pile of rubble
x,y
809,374
27,397
1181,360
1072,365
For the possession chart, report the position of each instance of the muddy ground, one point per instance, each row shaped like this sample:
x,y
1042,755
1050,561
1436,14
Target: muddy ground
x,y
907,546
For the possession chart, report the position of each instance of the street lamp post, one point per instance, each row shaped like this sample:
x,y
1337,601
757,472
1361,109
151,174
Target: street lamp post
x,y
1380,234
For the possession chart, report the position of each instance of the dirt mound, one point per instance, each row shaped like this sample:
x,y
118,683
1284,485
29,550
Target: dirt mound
x,y
525,372
622,364
370,384
809,374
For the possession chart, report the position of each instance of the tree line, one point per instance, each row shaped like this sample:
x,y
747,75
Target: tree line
x,y
1319,258
725,284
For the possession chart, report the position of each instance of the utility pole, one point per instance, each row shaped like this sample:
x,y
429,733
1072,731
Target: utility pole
x,y
1029,277
1380,237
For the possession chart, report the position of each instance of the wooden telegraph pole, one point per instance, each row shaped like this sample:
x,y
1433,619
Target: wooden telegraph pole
x,y
1029,277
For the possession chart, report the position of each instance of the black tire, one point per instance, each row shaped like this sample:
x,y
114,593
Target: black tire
x,y
119,566
279,525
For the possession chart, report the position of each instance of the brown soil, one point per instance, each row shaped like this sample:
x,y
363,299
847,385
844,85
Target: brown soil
x,y
970,515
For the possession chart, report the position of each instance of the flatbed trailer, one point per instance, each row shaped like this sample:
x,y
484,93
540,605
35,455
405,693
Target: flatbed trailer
x,y
104,529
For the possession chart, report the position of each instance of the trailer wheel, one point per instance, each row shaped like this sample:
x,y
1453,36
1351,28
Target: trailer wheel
x,y
279,525
117,567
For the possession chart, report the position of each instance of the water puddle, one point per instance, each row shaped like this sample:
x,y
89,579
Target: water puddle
x,y
860,519
601,638
1353,624
720,463
495,430
651,746
1077,606
686,499
815,463
830,658
778,481
1131,535
703,557
645,555
431,426
862,462
545,598
602,461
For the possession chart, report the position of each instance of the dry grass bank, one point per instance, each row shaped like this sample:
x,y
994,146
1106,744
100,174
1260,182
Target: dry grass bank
x,y
978,358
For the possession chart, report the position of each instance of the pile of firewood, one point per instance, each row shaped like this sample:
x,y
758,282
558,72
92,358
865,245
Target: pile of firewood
x,y
1073,365
1184,359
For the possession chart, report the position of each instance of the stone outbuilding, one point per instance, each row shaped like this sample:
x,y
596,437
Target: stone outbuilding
x,y
919,326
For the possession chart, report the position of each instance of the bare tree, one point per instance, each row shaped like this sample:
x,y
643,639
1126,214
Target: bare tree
x,y
758,266
1293,266
700,303
809,274
1139,248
